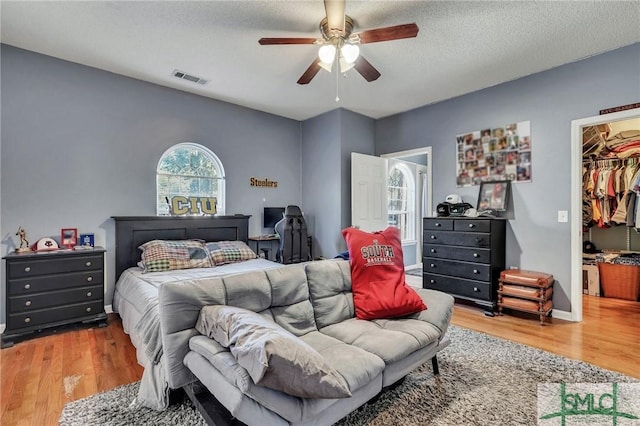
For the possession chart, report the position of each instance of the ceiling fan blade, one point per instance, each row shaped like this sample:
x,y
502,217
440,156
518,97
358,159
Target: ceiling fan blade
x,y
335,14
287,40
366,69
311,72
388,33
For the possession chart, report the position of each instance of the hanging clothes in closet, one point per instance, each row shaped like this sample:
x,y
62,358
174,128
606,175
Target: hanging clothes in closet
x,y
611,178
610,191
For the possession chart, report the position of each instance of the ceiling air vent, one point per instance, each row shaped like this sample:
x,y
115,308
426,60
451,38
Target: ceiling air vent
x,y
184,76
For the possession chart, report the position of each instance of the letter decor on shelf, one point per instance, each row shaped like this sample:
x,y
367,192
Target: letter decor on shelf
x,y
263,183
193,205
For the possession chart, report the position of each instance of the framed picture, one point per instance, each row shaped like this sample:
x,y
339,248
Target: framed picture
x,y
494,195
69,237
86,240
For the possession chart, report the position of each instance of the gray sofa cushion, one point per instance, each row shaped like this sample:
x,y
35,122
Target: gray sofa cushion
x,y
221,358
272,356
330,291
361,370
390,340
439,309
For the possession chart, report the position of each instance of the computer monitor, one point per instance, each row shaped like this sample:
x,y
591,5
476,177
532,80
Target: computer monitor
x,y
272,215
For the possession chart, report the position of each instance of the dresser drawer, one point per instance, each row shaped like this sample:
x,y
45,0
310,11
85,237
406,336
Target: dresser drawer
x,y
479,255
458,286
439,224
466,239
63,297
53,265
474,271
50,316
472,225
53,282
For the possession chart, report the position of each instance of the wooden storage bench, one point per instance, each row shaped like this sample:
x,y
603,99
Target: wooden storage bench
x,y
526,291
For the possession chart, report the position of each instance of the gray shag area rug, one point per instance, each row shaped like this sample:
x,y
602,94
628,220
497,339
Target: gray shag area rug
x,y
483,381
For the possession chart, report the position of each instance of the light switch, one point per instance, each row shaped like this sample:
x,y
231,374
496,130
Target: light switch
x,y
563,216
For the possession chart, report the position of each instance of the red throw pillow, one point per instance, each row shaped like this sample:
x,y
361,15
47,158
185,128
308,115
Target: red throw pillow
x,y
377,275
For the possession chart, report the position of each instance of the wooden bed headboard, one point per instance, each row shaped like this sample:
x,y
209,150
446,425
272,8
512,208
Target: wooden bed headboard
x,y
133,231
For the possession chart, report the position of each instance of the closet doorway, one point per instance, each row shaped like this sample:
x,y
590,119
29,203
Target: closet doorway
x,y
613,123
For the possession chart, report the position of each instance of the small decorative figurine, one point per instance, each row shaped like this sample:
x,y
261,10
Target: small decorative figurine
x,y
24,243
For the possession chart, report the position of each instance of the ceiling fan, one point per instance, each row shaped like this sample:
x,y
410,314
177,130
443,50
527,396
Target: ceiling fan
x,y
340,46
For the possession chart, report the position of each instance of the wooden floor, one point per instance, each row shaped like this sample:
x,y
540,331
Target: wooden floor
x,y
40,376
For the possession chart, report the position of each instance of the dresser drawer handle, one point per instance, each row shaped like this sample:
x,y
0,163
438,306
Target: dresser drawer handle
x,y
476,255
89,279
88,294
475,271
27,303
433,250
27,269
476,289
433,281
433,237
88,309
433,265
88,263
27,286
27,320
471,225
438,224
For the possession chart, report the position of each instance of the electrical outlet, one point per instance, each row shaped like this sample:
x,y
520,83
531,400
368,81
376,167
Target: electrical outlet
x,y
563,216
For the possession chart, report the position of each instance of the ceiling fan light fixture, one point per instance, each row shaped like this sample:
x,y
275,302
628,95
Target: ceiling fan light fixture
x,y
325,66
345,66
327,53
350,52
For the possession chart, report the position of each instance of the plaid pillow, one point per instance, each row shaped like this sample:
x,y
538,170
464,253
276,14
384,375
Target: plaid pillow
x,y
223,252
161,255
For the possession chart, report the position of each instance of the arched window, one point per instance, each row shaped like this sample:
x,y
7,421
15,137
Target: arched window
x,y
189,170
401,210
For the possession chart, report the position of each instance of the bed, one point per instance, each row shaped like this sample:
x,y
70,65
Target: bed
x,y
135,297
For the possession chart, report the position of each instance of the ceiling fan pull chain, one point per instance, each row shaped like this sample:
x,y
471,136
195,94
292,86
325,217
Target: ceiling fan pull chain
x,y
337,80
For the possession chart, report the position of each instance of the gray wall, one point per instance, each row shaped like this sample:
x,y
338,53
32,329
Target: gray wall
x,y
550,100
358,135
80,145
321,180
327,143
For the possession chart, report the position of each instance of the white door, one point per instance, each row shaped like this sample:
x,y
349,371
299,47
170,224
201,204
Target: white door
x,y
368,192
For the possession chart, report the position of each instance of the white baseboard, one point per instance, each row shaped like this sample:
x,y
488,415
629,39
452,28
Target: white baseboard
x,y
2,327
562,315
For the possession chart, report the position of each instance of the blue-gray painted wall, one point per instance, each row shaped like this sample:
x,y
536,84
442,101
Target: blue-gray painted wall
x,y
550,100
80,145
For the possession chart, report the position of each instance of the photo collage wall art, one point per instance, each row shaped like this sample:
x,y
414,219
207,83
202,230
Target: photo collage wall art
x,y
494,154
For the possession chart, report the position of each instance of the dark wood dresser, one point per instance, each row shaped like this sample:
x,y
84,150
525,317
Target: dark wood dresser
x,y
45,290
464,257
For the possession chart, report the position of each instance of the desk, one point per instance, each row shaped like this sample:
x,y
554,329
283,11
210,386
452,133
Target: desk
x,y
269,239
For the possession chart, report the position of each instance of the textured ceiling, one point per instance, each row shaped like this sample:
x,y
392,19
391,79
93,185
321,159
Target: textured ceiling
x,y
461,47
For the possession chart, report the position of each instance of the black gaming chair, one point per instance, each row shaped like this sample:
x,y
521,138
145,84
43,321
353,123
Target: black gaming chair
x,y
292,230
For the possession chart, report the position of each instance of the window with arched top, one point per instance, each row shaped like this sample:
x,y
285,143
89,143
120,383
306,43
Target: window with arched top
x,y
401,196
189,170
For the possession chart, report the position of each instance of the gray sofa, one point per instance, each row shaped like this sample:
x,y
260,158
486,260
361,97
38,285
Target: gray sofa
x,y
313,301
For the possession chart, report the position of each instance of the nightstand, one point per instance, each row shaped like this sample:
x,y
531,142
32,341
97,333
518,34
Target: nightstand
x,y
50,289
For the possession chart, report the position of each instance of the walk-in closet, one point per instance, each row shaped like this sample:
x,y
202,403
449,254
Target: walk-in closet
x,y
611,209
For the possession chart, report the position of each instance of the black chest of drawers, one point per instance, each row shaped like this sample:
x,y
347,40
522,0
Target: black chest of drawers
x,y
464,257
45,290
